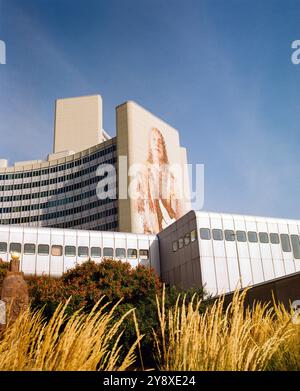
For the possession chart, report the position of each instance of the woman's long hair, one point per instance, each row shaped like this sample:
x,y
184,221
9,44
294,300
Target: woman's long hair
x,y
164,159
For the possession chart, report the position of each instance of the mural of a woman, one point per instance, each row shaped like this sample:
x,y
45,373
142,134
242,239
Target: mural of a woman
x,y
157,203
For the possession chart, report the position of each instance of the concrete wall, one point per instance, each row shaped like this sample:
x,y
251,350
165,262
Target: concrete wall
x,y
153,148
78,123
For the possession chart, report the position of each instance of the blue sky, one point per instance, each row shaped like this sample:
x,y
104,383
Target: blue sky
x,y
218,71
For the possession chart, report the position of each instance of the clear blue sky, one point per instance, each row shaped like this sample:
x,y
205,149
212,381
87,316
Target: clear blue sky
x,y
219,71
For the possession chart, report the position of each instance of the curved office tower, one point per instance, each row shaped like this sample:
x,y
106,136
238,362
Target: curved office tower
x,y
61,191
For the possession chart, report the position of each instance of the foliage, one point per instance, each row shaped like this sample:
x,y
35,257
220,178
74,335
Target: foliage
x,y
4,266
117,280
89,281
72,326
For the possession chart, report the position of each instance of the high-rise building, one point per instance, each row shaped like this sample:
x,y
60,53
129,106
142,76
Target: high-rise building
x,y
61,191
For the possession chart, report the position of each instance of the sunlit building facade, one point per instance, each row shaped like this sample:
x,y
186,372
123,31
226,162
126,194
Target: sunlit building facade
x,y
61,190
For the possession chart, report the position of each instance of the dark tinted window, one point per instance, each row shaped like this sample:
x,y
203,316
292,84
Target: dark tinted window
x,y
229,235
70,251
217,234
175,245
241,236
43,249
144,254
252,237
120,253
296,246
285,243
205,233
83,251
29,248
180,242
131,253
263,237
15,247
3,247
108,252
96,252
274,238
187,239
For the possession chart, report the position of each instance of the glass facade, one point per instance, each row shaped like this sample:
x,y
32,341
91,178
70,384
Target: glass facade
x,y
60,193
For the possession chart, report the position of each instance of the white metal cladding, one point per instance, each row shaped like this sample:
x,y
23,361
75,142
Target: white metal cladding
x,y
236,252
28,261
227,264
70,240
4,238
57,250
42,260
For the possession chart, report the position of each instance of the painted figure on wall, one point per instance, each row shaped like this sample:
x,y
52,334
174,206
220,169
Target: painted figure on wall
x,y
157,203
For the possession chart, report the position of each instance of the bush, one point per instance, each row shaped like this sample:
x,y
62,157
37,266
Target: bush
x,y
4,266
88,282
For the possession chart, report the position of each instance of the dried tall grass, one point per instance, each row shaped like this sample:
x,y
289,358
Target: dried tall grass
x,y
236,339
81,342
260,338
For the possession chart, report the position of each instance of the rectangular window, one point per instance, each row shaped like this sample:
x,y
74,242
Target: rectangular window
x,y
229,235
205,233
175,245
144,254
180,242
108,252
296,246
252,237
56,251
96,252
285,243
131,253
120,253
70,251
83,251
193,235
29,248
15,247
187,239
241,236
274,238
43,249
3,247
217,234
263,237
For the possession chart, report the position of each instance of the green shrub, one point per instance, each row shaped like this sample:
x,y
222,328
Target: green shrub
x,y
4,266
86,283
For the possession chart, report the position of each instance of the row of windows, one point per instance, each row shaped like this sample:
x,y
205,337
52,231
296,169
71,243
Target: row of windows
x,y
72,251
27,208
55,215
52,192
45,171
78,209
110,226
52,181
54,203
184,241
288,243
68,177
